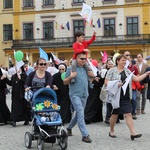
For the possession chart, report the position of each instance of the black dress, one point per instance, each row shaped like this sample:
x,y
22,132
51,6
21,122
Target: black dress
x,y
4,111
93,110
125,102
20,108
62,97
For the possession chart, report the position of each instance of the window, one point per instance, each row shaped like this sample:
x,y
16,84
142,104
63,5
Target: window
x,y
28,31
78,25
109,27
48,2
132,25
7,32
48,30
109,1
8,4
78,1
27,3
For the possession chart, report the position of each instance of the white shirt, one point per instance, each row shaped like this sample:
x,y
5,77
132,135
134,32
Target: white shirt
x,y
140,66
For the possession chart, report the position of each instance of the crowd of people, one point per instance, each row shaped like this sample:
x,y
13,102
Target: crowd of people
x,y
80,102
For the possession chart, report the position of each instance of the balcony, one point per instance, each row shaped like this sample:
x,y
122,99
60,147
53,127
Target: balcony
x,y
68,41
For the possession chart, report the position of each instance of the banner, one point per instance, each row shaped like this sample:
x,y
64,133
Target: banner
x,y
86,12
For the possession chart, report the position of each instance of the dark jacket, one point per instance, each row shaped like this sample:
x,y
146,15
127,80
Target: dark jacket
x,y
48,79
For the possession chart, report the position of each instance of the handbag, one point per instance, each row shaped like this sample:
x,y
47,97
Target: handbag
x,y
103,94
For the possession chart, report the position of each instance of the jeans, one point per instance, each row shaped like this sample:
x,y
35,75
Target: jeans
x,y
79,105
133,102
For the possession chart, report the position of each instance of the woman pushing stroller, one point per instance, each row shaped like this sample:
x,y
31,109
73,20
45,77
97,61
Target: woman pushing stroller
x,y
46,118
40,77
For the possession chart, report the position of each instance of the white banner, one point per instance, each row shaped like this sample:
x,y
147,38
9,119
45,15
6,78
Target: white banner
x,y
86,12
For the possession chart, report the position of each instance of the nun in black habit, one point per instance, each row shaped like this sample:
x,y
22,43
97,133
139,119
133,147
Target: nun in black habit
x,y
94,106
4,111
62,92
20,108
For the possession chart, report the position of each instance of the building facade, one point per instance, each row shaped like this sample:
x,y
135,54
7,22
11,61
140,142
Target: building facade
x,y
50,24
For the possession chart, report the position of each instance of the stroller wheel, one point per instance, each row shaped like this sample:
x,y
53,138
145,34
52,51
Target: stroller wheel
x,y
28,139
40,144
63,140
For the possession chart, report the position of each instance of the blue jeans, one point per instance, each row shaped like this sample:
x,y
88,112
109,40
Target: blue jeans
x,y
133,102
79,105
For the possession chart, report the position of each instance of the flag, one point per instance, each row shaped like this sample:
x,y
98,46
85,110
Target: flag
x,y
67,25
43,54
27,57
14,53
91,23
104,57
56,25
94,69
98,23
102,54
86,12
61,27
19,64
50,60
57,61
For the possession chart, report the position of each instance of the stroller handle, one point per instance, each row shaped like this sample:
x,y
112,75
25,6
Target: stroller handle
x,y
35,87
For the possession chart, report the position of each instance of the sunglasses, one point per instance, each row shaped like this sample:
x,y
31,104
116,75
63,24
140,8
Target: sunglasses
x,y
83,58
42,64
61,69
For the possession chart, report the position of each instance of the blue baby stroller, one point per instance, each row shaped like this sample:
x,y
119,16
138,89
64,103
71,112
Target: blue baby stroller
x,y
47,123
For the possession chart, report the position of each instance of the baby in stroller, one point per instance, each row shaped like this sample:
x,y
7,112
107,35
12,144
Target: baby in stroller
x,y
47,124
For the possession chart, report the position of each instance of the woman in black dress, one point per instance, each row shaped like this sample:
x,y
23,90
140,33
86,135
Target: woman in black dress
x,y
62,92
20,108
4,111
121,73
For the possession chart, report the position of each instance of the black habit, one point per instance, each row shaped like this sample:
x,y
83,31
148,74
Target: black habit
x,y
93,110
4,111
62,97
20,108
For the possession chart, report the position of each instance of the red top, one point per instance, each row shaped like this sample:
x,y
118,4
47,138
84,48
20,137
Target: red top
x,y
135,85
79,48
133,68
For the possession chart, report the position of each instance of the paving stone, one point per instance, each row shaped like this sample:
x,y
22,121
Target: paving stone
x,y
12,138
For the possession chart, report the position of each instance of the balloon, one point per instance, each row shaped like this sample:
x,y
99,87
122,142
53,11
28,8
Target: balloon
x,y
19,55
94,62
63,75
115,56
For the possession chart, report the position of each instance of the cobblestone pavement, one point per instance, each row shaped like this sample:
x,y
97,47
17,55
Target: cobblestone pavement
x,y
13,138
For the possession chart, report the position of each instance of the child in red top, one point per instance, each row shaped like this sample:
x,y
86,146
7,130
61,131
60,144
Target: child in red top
x,y
81,46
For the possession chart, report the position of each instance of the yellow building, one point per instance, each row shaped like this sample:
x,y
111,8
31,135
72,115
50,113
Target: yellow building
x,y
29,24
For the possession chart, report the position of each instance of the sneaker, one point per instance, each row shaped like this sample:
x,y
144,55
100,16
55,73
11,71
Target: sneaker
x,y
137,111
87,139
69,132
142,112
134,117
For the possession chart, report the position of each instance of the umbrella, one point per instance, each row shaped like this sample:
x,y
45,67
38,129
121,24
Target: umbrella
x,y
147,58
